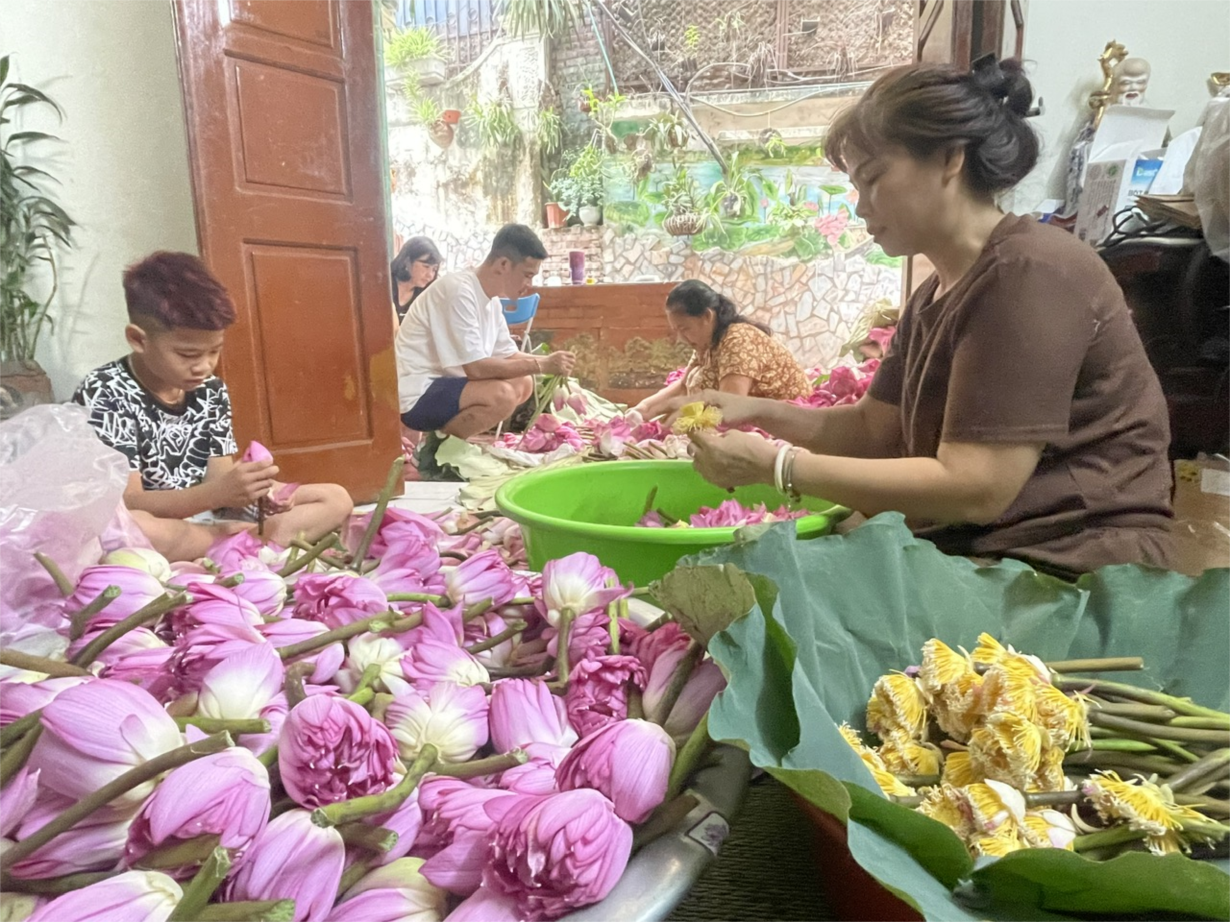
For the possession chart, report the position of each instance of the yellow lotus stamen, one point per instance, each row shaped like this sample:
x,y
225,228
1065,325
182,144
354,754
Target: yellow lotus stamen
x,y
1050,776
1008,688
993,804
1145,806
1063,718
998,844
957,707
941,664
1048,829
958,771
947,804
887,781
897,705
697,417
1006,748
991,652
904,756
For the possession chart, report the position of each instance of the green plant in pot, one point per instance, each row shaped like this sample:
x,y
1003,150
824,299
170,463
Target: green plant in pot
x,y
579,187
417,51
735,192
33,229
683,212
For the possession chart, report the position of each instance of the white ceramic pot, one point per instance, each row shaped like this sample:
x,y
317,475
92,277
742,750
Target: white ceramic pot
x,y
430,71
591,215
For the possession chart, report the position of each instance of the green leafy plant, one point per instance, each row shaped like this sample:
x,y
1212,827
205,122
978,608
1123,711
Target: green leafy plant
x,y
550,17
691,39
667,131
425,111
33,226
680,193
417,44
495,123
549,130
581,180
735,193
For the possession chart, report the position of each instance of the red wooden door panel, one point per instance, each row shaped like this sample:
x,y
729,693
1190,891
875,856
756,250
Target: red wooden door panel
x,y
284,134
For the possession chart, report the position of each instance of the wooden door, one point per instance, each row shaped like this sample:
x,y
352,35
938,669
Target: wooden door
x,y
286,141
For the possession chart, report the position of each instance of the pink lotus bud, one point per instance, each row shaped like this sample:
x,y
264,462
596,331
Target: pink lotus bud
x,y
537,776
331,749
485,906
140,558
261,587
693,702
256,452
225,794
134,896
398,525
286,631
230,553
454,820
213,604
140,657
483,577
598,691
137,589
578,583
524,711
17,699
578,403
409,565
335,599
627,760
453,718
292,859
201,648
647,646
557,852
94,844
246,685
430,661
16,798
590,636
484,628
397,892
95,732
374,650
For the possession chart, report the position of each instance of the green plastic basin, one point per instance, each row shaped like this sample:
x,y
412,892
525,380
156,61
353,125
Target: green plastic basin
x,y
595,508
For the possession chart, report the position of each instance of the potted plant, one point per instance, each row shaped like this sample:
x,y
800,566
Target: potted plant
x,y
417,51
683,213
567,195
580,186
33,228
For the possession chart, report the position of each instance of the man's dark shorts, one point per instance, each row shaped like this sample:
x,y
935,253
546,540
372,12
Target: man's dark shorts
x,y
439,404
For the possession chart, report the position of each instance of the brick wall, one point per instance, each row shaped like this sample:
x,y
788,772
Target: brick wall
x,y
576,61
561,240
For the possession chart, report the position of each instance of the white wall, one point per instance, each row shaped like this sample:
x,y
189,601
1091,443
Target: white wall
x,y
1183,40
111,66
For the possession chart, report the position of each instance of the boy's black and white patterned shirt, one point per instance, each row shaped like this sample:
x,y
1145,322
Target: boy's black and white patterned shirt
x,y
169,446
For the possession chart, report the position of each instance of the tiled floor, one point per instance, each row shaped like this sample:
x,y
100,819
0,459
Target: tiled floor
x,y
424,497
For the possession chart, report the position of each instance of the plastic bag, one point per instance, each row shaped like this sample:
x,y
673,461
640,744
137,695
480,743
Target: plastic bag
x,y
1208,177
61,493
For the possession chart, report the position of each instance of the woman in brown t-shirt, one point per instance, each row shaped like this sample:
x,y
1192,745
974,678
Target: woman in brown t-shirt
x,y
732,354
1016,414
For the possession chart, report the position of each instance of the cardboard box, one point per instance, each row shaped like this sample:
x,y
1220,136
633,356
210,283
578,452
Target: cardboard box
x,y
1124,156
1202,513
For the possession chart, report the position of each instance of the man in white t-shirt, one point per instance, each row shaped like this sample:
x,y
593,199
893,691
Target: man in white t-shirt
x,y
458,369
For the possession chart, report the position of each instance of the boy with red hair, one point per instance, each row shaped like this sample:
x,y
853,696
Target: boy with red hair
x,y
162,407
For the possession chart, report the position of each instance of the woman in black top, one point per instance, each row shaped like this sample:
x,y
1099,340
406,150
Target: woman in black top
x,y
413,269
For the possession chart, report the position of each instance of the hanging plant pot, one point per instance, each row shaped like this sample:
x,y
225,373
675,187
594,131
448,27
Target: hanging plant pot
x,y
684,224
591,215
451,116
441,132
430,71
22,384
557,215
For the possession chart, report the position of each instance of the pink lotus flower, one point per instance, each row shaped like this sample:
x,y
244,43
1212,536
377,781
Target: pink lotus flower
x,y
256,452
137,589
647,646
456,822
524,711
398,525
537,775
200,648
396,892
557,852
580,584
590,636
230,553
292,859
410,565
244,686
94,844
93,733
261,588
597,691
831,226
331,749
693,702
430,661
485,906
453,718
484,628
16,799
484,577
213,604
374,650
335,599
548,434
17,699
288,631
134,896
627,760
225,794
140,657
140,558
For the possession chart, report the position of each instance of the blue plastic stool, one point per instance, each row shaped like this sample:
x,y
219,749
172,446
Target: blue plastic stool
x,y
522,310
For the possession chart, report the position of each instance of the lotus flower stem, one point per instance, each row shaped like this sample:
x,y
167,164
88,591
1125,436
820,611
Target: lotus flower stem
x,y
517,672
688,758
236,726
15,757
636,702
231,581
418,597
479,767
293,683
132,778
1119,744
1149,764
477,609
62,582
1193,774
683,672
1158,731
562,666
666,817
1131,692
188,852
53,886
53,667
248,911
1209,805
664,618
1150,712
514,628
308,556
201,888
382,503
1201,723
345,632
372,838
353,874
151,612
81,618
1116,835
1102,664
269,759
356,808
15,730
364,689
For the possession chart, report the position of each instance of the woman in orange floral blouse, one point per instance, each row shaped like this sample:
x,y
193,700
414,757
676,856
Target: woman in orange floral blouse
x,y
734,354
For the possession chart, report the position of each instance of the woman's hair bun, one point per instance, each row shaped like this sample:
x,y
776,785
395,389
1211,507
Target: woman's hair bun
x,y
1005,81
